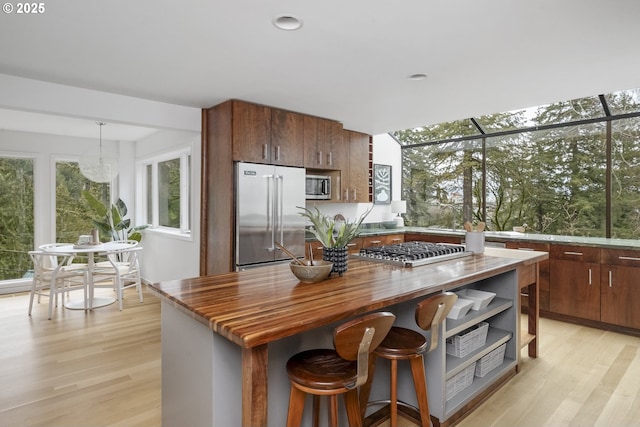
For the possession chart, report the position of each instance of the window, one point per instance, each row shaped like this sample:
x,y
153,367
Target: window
x,y
547,167
73,213
167,191
16,217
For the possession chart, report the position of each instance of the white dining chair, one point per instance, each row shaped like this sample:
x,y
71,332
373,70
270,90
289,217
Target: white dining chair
x,y
53,275
121,269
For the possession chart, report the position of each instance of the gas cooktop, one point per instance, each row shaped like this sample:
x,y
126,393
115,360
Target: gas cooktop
x,y
412,254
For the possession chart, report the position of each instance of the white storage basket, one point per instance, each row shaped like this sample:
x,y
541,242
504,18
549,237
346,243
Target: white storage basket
x,y
468,340
460,381
490,361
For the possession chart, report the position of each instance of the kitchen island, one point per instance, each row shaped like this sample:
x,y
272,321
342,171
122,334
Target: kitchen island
x,y
226,338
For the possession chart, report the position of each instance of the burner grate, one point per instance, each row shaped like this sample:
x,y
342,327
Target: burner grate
x,y
412,254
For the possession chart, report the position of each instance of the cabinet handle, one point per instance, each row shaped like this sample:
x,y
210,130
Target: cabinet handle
x,y
629,258
355,194
396,239
590,277
374,242
346,195
319,157
265,151
573,253
330,158
610,278
351,244
278,152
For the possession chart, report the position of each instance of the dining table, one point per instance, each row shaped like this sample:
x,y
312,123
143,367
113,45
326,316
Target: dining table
x,y
89,250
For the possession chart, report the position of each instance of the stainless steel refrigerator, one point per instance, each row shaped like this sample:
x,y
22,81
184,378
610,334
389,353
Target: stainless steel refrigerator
x,y
267,200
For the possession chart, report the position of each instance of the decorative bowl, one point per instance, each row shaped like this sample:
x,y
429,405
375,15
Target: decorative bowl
x,y
389,224
311,273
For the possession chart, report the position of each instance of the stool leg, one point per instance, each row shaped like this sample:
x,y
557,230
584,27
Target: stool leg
x,y
365,389
296,406
394,393
333,410
353,408
420,383
316,410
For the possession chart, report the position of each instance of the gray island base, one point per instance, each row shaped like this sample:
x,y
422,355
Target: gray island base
x,y
226,338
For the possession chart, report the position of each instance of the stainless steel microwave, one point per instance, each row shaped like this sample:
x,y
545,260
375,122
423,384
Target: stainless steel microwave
x,y
318,187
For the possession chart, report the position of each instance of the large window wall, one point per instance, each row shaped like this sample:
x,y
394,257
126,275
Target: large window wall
x,y
571,168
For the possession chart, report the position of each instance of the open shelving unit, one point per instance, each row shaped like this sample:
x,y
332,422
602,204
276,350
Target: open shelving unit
x,y
502,316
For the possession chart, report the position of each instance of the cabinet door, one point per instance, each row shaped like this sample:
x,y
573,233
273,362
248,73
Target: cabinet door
x,y
432,238
620,292
354,246
575,288
386,239
355,186
322,144
251,132
287,147
620,296
312,157
336,157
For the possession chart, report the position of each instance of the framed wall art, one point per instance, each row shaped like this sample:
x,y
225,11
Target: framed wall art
x,y
381,184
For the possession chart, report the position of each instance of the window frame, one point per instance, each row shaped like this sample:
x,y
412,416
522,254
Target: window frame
x,y
145,187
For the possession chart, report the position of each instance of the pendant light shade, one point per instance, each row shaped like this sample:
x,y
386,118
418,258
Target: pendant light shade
x,y
99,164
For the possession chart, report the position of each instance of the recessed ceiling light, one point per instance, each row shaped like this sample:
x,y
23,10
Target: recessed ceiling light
x,y
287,23
417,77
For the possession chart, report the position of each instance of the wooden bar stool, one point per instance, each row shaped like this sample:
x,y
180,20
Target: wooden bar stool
x,y
407,344
331,372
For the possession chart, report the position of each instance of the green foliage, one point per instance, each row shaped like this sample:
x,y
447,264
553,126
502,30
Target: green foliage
x,y
332,232
552,180
16,217
111,221
73,213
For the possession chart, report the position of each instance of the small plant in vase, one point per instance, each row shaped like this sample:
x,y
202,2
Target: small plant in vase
x,y
334,233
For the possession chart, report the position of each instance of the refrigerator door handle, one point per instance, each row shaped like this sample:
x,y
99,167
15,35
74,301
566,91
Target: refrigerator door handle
x,y
280,208
271,208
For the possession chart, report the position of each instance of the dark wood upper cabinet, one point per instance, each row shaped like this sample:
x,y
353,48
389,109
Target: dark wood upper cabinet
x,y
251,138
355,185
267,135
323,144
287,134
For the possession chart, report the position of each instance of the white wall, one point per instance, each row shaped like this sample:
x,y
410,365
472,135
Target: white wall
x,y
386,151
169,256
36,96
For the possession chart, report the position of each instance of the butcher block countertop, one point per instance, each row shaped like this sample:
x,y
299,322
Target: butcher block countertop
x,y
261,305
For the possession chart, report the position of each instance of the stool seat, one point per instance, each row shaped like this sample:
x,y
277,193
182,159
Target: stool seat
x,y
401,343
339,371
322,369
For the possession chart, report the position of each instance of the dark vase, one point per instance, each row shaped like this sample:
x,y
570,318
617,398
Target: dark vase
x,y
338,256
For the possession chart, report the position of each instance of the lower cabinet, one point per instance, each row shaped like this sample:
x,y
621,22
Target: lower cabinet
x,y
619,288
575,281
414,237
384,239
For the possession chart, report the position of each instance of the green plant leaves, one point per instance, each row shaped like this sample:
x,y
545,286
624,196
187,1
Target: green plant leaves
x,y
324,228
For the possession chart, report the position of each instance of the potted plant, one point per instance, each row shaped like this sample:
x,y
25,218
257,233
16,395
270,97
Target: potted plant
x,y
111,221
334,233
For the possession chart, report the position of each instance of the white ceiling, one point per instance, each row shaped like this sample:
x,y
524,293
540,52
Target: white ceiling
x,y
350,60
68,126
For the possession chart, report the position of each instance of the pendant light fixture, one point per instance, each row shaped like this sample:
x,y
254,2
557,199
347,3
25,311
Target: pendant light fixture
x,y
99,165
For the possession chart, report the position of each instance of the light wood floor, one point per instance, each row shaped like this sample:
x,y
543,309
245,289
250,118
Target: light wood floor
x,y
102,368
